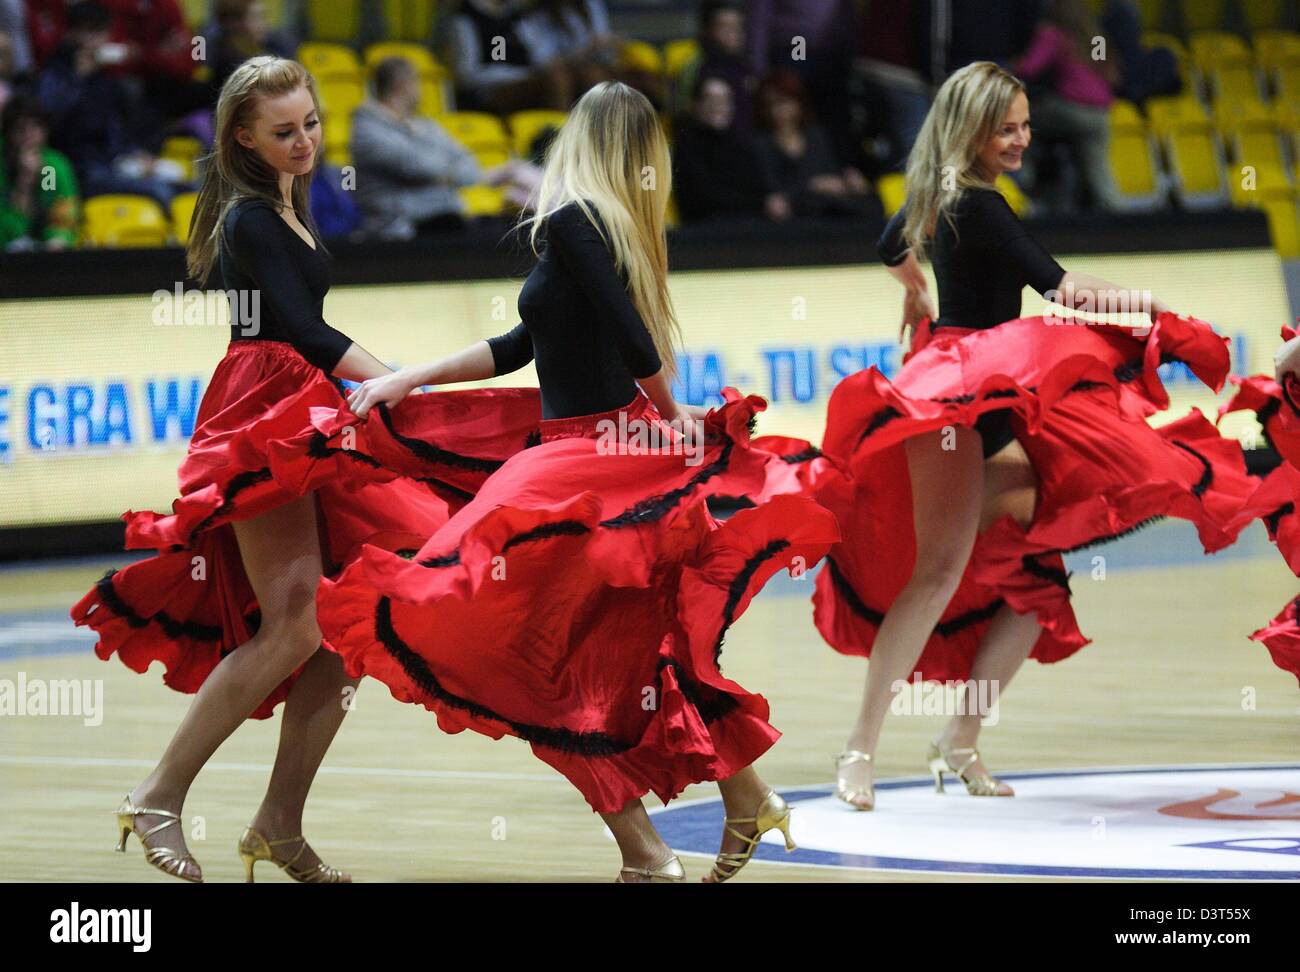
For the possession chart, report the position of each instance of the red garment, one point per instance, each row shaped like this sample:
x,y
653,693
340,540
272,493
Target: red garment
x,y
1274,502
46,24
580,602
1080,396
1052,52
157,28
254,449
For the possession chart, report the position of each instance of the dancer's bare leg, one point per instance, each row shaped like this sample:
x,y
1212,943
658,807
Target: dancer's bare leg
x,y
741,795
946,470
1010,489
281,556
637,839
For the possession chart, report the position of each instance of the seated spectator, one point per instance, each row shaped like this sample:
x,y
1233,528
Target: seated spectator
x,y
716,170
240,31
409,168
1076,107
13,24
38,191
6,68
723,54
577,34
797,153
895,55
815,39
1144,72
493,64
88,113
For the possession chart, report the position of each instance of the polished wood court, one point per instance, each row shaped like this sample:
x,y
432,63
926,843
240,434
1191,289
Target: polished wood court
x,y
1170,679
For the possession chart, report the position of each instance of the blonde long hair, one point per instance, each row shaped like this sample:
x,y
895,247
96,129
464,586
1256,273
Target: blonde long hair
x,y
612,153
966,113
231,172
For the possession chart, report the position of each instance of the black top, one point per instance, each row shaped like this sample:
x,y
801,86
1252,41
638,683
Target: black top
x,y
579,321
261,252
982,269
718,173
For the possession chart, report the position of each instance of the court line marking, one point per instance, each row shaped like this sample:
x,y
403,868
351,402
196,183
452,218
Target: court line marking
x,y
104,762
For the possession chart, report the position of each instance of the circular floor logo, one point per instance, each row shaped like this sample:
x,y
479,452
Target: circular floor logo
x,y
1230,823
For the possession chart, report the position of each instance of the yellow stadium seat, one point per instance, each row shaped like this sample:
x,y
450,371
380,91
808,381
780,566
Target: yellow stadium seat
x,y
339,99
1215,48
124,221
1250,187
892,189
672,218
1288,84
182,214
679,53
1276,48
489,158
330,62
333,20
1284,224
639,56
410,20
183,149
1196,162
1202,14
1233,81
1263,14
1133,166
420,57
525,126
1261,149
1125,117
1176,113
476,130
1016,199
196,13
483,200
433,97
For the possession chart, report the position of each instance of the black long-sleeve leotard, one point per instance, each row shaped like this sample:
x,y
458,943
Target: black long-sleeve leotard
x,y
579,323
261,252
981,268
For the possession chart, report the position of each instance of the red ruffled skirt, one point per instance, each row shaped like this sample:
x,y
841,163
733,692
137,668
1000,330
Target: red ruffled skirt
x,y
254,448
580,602
1079,397
1274,502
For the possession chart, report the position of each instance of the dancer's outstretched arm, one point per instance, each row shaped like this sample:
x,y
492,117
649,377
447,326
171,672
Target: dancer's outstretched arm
x,y
473,363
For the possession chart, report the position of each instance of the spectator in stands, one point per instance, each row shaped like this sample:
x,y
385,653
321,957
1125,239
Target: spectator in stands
x,y
46,24
717,171
723,54
895,55
814,38
1143,72
13,24
409,168
1076,108
38,191
240,31
88,113
579,35
990,30
798,155
494,66
6,68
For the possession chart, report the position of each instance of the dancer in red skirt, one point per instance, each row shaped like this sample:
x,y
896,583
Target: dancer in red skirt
x,y
1001,444
228,603
1276,403
581,599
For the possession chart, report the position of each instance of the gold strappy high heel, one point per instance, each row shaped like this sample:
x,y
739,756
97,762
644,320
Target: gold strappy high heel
x,y
941,762
772,813
164,858
670,870
846,792
253,847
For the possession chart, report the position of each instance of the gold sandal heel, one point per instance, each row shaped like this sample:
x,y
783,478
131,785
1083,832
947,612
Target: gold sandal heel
x,y
253,847
940,762
772,814
669,871
165,859
846,792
